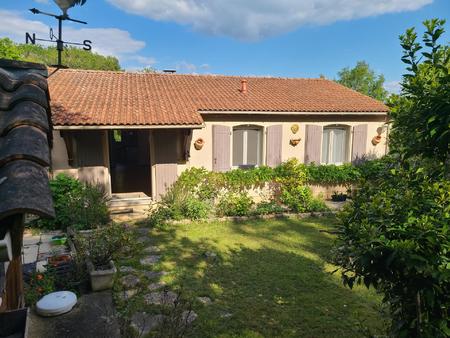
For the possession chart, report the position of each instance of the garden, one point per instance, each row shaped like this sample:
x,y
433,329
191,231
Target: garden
x,y
380,267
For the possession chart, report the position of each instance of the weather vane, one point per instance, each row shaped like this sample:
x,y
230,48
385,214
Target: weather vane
x,y
64,5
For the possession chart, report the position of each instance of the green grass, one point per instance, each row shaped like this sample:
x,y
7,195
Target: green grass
x,y
272,276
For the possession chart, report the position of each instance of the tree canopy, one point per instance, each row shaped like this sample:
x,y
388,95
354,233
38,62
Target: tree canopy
x,y
72,57
421,115
364,80
394,235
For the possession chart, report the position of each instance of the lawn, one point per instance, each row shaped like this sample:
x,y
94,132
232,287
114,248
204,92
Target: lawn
x,y
265,279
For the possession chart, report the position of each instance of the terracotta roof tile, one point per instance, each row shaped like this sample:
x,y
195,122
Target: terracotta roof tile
x,y
81,97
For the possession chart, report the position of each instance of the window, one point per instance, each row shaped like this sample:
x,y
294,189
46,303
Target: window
x,y
247,146
335,145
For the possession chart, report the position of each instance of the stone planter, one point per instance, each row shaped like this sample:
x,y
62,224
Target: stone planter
x,y
101,279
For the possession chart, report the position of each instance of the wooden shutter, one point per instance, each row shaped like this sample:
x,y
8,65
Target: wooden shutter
x,y
221,148
165,174
359,145
274,144
313,143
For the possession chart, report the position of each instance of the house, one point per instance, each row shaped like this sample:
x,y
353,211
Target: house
x,y
136,132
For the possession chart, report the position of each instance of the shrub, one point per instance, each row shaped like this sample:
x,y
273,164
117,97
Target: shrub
x,y
293,193
104,243
394,236
268,207
234,204
331,174
317,204
194,209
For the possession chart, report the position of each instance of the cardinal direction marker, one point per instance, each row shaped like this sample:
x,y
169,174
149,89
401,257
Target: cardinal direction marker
x,y
60,43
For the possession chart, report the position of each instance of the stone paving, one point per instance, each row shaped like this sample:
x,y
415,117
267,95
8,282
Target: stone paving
x,y
38,248
143,322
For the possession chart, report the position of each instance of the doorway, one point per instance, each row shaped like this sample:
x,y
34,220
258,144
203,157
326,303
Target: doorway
x,y
129,155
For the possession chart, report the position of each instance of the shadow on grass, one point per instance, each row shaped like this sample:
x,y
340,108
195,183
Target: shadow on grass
x,y
263,282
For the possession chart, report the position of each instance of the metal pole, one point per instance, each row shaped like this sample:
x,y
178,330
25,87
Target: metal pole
x,y
59,43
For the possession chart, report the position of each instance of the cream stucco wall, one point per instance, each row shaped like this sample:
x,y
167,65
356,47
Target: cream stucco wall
x,y
203,157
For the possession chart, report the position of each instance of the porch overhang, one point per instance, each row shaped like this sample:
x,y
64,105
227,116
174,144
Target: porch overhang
x,y
114,127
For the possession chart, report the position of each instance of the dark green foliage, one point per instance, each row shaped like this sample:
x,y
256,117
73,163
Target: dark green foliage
x,y
72,57
364,80
331,174
76,205
235,204
421,115
268,207
395,235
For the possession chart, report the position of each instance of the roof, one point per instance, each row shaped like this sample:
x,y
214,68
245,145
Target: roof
x,y
106,98
25,140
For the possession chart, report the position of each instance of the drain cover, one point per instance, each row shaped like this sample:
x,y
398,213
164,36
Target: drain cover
x,y
56,303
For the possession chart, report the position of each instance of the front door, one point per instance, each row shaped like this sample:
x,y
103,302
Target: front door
x,y
130,161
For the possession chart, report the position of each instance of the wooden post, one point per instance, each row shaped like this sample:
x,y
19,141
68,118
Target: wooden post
x,y
14,296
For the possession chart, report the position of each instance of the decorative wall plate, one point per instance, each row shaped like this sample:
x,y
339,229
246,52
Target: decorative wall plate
x,y
295,128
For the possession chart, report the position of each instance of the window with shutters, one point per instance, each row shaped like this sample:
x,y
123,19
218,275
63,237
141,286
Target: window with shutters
x,y
335,141
247,146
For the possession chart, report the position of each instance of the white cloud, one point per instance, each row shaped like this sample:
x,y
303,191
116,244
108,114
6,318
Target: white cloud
x,y
105,41
393,87
42,1
257,19
190,68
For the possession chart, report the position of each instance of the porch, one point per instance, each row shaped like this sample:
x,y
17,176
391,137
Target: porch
x,y
134,166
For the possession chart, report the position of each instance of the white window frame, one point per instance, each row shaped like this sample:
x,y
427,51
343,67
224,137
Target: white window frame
x,y
260,155
330,144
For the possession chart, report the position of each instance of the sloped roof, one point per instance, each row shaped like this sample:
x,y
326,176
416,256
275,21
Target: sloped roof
x,y
25,139
84,97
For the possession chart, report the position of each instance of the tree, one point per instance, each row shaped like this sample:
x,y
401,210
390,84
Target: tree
x,y
8,50
72,57
364,80
395,236
421,115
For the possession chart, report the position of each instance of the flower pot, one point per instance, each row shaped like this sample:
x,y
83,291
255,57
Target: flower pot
x,y
376,140
199,143
101,279
294,142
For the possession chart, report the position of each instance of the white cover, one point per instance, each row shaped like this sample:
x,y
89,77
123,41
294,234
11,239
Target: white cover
x,y
56,303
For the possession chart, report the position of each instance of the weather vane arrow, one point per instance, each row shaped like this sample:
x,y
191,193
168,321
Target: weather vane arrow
x,y
64,5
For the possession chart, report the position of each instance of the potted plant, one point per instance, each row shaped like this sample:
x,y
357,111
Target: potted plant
x,y
338,197
99,248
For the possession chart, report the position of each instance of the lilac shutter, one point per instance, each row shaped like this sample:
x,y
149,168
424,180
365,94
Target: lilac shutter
x,y
165,174
274,144
221,148
313,143
359,145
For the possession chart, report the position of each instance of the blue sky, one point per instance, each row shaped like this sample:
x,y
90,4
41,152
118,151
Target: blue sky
x,y
287,38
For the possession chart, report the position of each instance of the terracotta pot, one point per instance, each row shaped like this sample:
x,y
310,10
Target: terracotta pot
x,y
199,143
294,142
376,140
